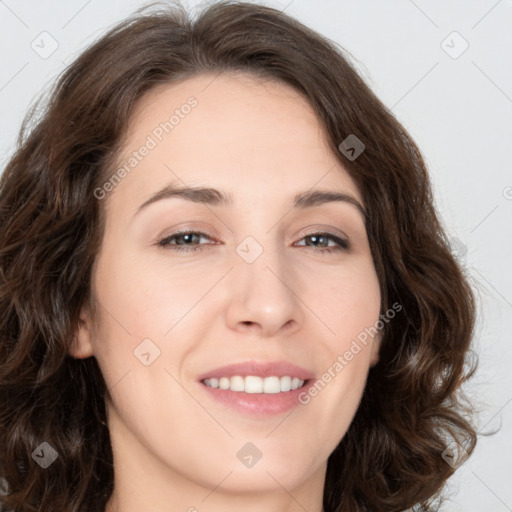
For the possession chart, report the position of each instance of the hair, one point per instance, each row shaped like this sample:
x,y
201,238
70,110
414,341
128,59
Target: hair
x,y
52,226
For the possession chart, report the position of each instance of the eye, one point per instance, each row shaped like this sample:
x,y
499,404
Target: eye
x,y
187,237
188,241
339,243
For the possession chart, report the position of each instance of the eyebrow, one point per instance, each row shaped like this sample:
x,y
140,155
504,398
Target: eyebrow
x,y
214,197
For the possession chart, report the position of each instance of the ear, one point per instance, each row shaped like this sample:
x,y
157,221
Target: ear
x,y
81,346
375,349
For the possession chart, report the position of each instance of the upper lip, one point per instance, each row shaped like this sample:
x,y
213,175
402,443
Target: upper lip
x,y
259,369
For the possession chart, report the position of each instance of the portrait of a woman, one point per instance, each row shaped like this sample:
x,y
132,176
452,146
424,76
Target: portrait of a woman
x,y
223,282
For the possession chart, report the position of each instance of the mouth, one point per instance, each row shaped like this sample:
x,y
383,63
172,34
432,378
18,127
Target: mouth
x,y
259,389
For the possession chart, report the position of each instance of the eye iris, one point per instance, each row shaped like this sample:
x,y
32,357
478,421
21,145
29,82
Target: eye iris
x,y
316,238
185,236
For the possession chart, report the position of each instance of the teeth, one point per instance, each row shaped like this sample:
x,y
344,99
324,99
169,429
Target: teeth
x,y
253,384
236,383
286,383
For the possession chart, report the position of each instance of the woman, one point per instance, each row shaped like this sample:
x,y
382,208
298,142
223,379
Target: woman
x,y
224,285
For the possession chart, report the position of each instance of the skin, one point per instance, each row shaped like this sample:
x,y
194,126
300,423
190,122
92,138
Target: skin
x,y
174,447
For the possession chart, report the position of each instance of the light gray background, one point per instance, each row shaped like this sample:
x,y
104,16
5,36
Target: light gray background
x,y
457,106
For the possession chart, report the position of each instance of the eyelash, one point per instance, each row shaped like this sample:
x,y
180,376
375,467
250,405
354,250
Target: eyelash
x,y
342,243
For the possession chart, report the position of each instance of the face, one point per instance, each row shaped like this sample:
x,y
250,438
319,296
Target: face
x,y
276,289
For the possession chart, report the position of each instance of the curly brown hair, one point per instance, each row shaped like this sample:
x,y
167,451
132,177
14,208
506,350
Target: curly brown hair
x,y
52,226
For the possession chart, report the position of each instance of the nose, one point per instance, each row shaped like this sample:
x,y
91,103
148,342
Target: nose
x,y
265,297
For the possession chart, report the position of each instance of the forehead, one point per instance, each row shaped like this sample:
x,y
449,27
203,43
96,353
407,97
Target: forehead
x,y
245,108
243,134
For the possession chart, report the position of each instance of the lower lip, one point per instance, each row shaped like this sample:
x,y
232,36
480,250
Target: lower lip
x,y
258,404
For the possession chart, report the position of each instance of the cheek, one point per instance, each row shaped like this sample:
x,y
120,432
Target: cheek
x,y
349,308
142,308
347,299
125,305
144,300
